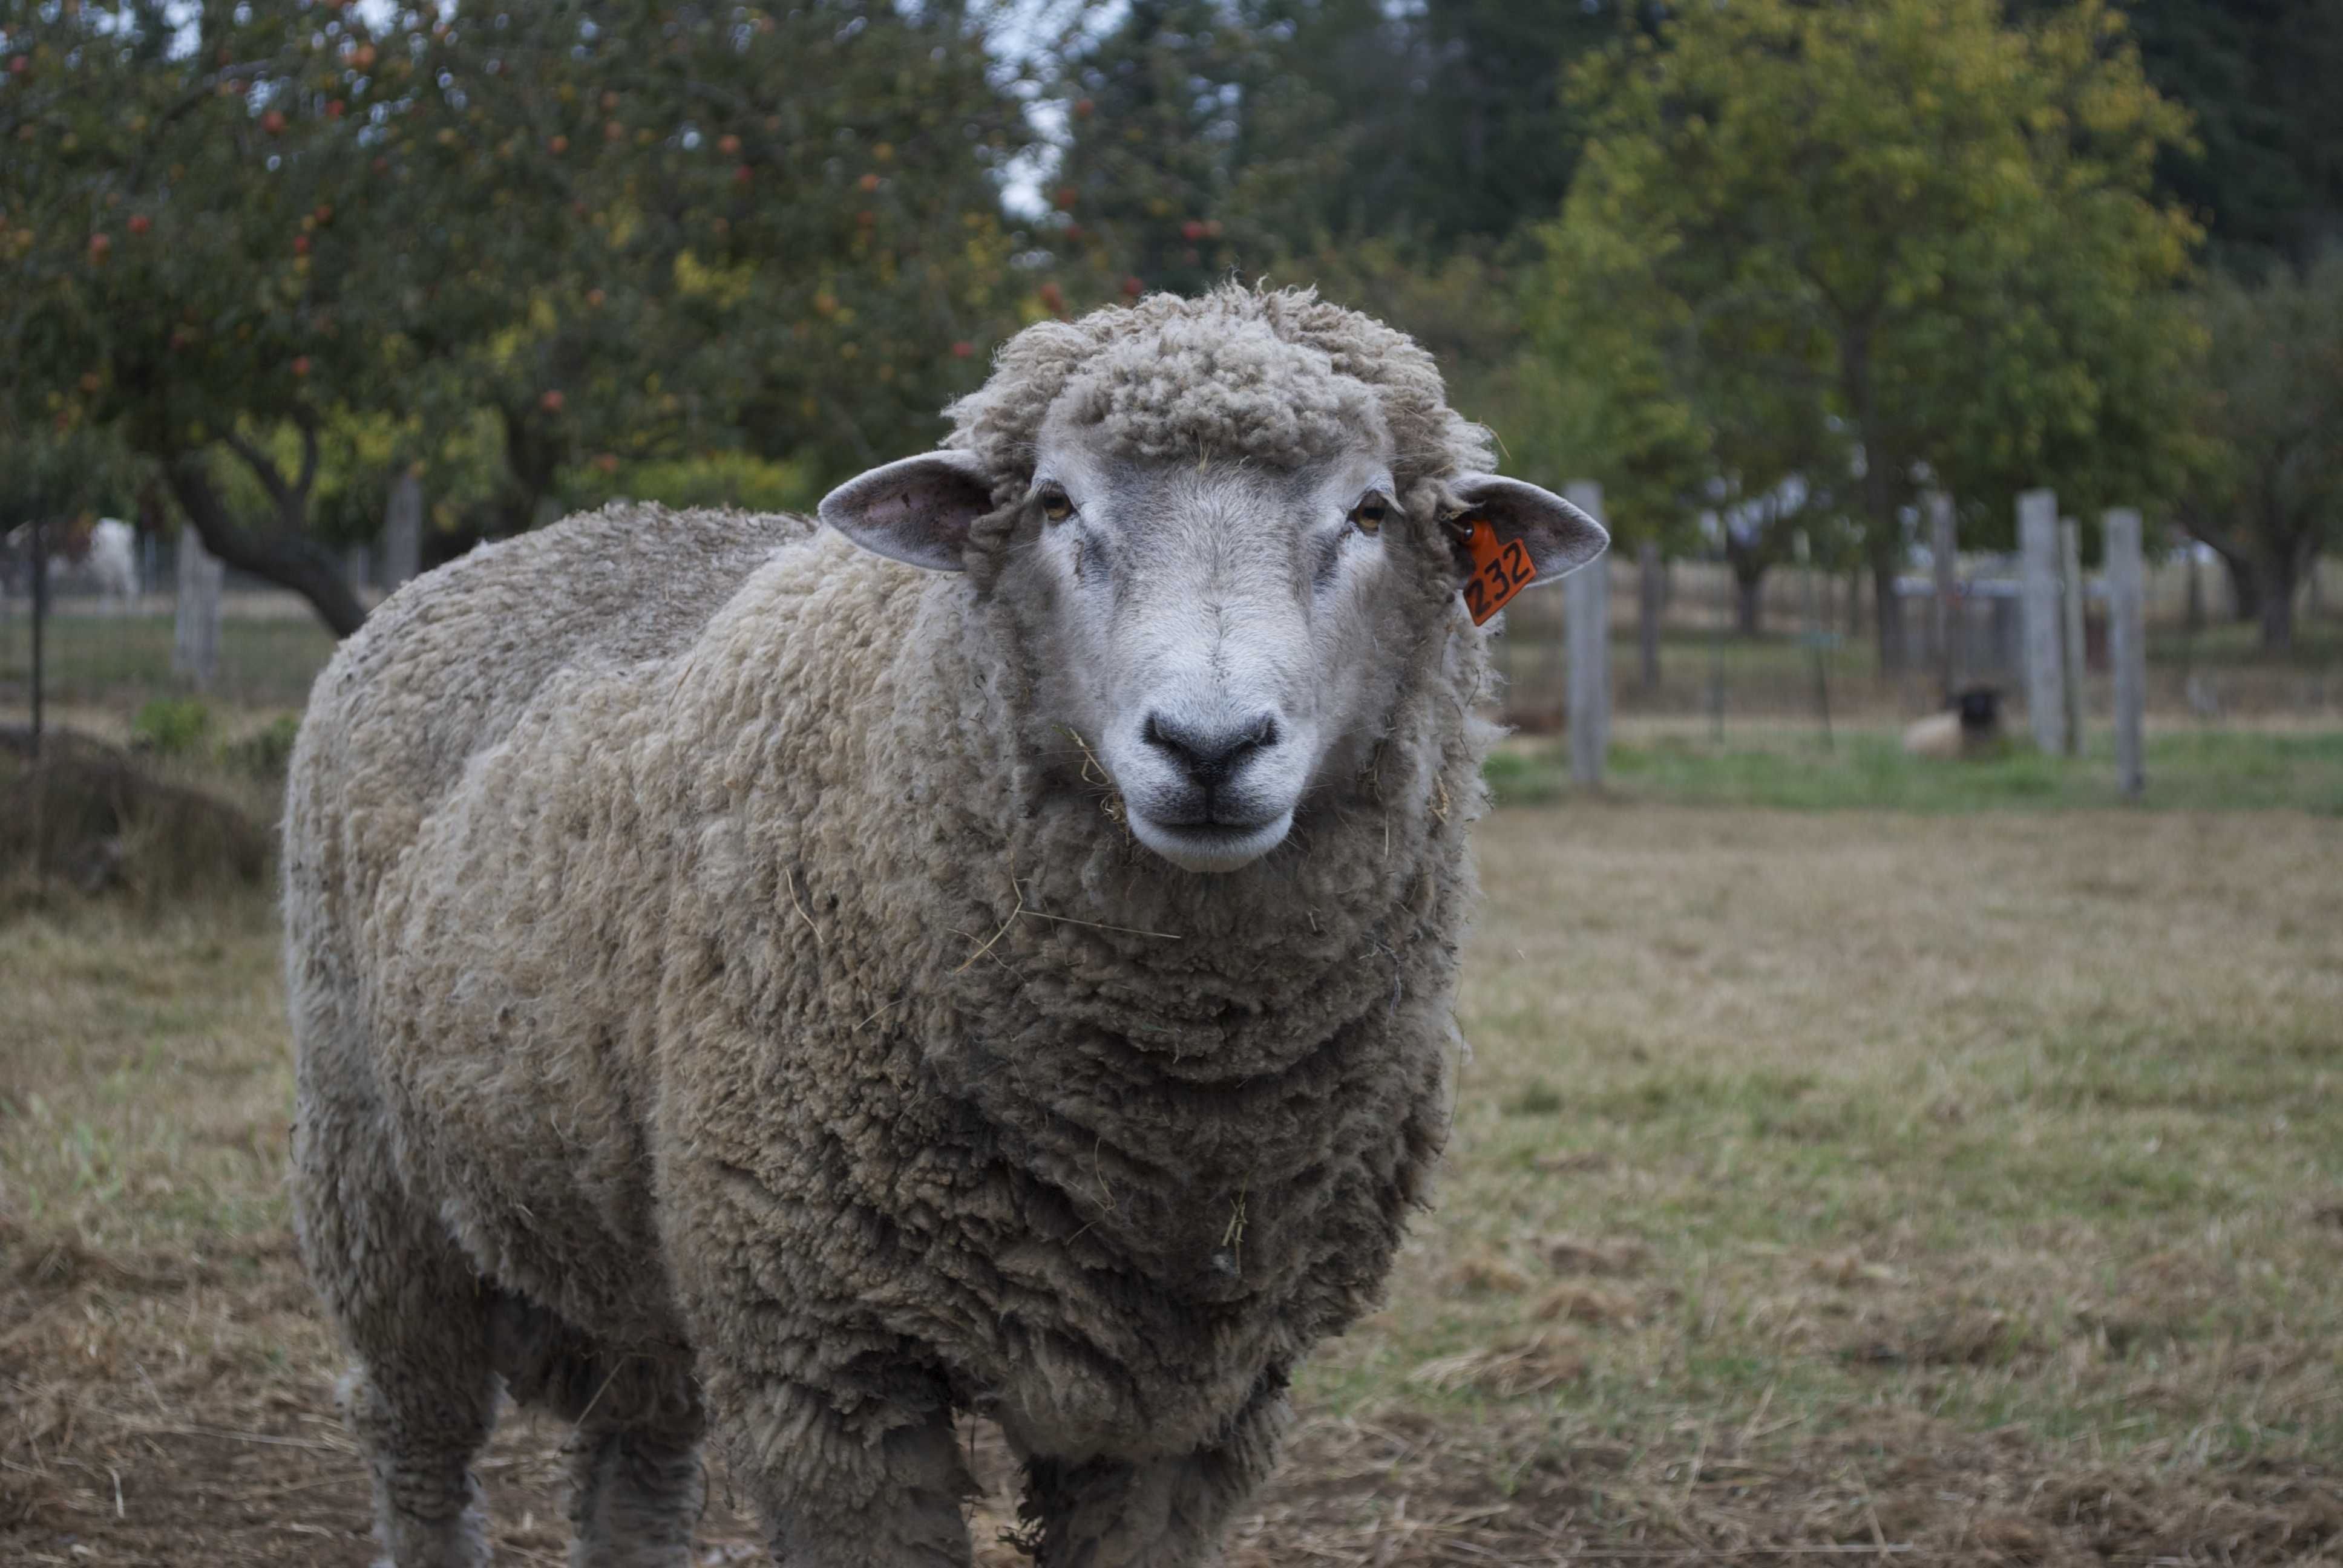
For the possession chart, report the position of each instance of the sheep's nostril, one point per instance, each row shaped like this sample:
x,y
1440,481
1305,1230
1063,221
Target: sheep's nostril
x,y
1209,755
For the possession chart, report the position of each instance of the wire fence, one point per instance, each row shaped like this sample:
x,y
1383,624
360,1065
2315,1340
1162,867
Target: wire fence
x,y
1815,649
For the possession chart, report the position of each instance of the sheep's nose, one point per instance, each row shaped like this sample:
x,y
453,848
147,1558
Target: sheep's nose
x,y
1210,755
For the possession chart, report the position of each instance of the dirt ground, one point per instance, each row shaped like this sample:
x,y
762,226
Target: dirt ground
x,y
1767,1336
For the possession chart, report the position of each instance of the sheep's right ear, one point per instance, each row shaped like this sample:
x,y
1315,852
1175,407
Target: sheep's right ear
x,y
917,510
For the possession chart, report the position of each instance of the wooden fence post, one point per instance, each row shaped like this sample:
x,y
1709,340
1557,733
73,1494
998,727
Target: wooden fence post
x,y
1589,608
2070,581
2038,542
1650,582
2126,644
402,531
196,612
1943,552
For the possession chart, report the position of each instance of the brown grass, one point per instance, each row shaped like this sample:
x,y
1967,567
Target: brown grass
x,y
1937,1190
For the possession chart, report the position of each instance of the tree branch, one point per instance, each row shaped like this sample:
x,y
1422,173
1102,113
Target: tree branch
x,y
263,467
308,422
282,557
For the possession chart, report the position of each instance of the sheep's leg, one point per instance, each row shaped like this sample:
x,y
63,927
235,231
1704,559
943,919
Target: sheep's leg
x,y
414,1312
635,1480
1159,1513
882,1489
422,1397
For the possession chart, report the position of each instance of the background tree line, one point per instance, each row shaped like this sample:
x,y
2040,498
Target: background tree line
x,y
1782,265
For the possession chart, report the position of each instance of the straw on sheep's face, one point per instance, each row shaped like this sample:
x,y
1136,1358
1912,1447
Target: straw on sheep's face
x,y
1225,634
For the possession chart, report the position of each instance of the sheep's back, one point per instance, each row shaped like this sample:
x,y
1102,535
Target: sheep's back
x,y
447,665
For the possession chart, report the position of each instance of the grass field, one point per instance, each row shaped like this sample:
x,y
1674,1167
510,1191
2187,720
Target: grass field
x,y
2188,768
1944,1189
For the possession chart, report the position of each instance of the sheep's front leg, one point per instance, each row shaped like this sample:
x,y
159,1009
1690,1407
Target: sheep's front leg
x,y
870,1486
1159,1513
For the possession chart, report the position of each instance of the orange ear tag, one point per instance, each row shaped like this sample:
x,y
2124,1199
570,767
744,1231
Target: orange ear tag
x,y
1499,571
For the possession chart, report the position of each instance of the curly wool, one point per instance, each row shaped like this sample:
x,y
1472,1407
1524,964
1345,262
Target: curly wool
x,y
703,957
1277,375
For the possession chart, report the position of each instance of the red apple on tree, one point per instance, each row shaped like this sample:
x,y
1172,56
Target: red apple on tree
x,y
273,122
140,223
100,247
551,402
301,365
728,146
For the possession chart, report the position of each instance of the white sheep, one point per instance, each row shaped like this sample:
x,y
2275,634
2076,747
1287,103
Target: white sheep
x,y
741,982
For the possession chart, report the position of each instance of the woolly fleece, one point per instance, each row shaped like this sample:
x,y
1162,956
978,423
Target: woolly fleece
x,y
718,989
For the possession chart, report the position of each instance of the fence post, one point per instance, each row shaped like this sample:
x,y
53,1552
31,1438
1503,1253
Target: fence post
x,y
196,611
40,640
1589,608
2037,540
2126,644
1650,583
2070,575
1943,552
402,531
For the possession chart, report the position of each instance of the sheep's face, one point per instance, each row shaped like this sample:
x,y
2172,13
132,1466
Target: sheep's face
x,y
1225,637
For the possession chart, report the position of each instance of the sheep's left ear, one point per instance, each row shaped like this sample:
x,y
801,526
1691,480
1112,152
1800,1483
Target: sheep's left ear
x,y
1558,538
917,510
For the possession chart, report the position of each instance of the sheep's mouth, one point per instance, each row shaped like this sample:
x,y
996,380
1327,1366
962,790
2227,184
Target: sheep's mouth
x,y
1212,846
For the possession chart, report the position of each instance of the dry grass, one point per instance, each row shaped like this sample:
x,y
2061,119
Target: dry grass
x,y
1946,1190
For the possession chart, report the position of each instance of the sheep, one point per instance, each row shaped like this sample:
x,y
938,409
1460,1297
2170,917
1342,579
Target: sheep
x,y
106,557
743,985
1970,728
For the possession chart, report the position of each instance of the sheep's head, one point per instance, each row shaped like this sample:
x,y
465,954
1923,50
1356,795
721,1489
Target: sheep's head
x,y
1227,526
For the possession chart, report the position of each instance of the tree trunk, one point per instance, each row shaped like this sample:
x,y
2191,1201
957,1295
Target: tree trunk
x,y
2276,580
282,557
1749,602
2245,587
1889,621
1883,539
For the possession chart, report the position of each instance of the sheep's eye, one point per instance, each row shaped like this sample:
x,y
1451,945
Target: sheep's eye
x,y
1056,507
1368,515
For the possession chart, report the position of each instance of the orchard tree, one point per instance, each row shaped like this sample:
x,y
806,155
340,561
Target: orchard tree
x,y
1906,227
2269,497
231,229
1186,139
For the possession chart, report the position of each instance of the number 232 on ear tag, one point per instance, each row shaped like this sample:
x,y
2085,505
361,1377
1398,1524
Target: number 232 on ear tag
x,y
1499,570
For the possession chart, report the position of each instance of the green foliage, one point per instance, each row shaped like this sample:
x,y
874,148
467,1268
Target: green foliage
x,y
2259,77
174,726
1870,246
306,244
267,751
734,479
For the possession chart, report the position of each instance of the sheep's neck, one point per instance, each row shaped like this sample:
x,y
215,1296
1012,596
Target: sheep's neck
x,y
1177,1061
